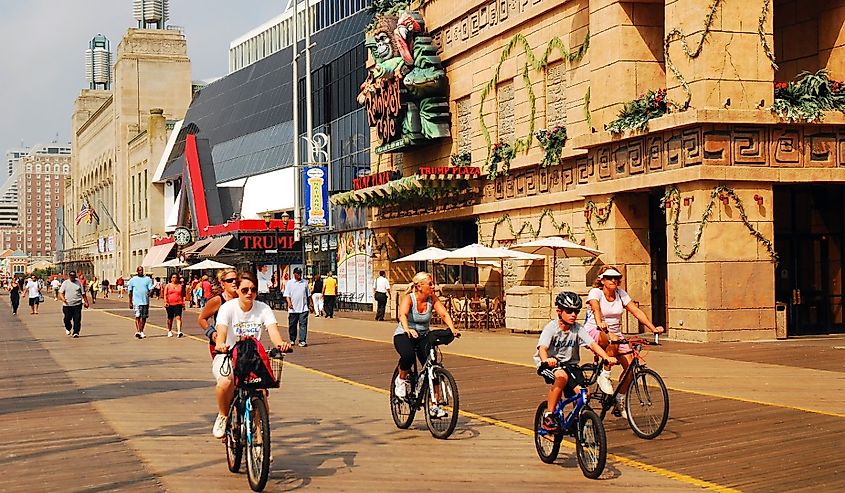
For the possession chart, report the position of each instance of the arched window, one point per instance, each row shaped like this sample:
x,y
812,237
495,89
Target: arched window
x,y
65,169
56,168
38,168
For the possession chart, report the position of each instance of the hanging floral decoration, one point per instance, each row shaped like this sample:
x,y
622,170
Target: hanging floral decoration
x,y
526,228
552,142
636,114
500,160
601,214
805,98
461,159
672,200
403,190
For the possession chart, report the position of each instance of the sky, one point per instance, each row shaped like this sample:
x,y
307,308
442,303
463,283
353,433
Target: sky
x,y
43,43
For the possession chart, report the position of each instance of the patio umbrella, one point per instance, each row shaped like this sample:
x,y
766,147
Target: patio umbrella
x,y
174,262
555,246
477,252
208,264
430,253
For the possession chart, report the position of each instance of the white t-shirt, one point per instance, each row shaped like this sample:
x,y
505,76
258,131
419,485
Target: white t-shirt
x,y
240,323
382,285
611,311
33,288
55,284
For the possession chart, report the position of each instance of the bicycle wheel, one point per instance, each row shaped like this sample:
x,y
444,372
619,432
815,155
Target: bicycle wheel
x,y
647,404
258,450
591,444
446,391
401,408
547,443
234,446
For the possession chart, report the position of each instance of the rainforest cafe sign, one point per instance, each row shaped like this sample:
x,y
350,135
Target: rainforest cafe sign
x,y
384,106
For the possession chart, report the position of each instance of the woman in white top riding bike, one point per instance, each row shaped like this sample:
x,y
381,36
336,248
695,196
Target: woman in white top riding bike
x,y
414,318
607,302
241,317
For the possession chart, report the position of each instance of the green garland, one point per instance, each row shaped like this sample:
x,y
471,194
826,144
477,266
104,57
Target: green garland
x,y
461,159
587,115
532,231
673,197
500,160
552,141
761,31
674,35
601,218
532,61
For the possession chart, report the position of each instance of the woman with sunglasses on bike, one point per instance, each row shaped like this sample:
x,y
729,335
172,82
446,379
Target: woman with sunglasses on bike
x,y
608,302
414,318
241,317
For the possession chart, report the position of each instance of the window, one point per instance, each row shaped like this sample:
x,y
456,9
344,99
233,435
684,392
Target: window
x,y
65,169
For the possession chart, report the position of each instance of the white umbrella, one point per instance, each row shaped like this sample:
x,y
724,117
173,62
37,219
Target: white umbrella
x,y
430,253
208,264
477,252
555,246
174,262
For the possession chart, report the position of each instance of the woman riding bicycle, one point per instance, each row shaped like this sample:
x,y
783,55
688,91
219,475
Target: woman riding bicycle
x,y
607,303
241,317
414,318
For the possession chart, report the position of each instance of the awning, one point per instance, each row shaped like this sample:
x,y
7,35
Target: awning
x,y
157,254
197,246
215,245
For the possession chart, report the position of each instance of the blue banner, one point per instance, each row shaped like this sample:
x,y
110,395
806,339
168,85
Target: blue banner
x,y
315,184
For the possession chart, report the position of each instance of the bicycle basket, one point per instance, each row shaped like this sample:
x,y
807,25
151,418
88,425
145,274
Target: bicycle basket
x,y
276,365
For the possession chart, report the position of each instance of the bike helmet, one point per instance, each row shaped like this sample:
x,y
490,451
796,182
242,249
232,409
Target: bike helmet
x,y
568,299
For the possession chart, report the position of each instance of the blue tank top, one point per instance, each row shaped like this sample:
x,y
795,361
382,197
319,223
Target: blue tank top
x,y
416,320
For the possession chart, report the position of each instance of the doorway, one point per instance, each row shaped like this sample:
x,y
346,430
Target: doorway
x,y
809,227
657,250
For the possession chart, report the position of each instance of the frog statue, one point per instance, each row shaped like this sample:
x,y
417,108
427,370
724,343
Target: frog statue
x,y
406,92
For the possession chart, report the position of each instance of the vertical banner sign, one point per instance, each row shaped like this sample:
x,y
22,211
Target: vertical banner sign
x,y
316,196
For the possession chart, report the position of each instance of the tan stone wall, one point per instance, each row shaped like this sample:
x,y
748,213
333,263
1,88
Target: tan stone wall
x,y
808,37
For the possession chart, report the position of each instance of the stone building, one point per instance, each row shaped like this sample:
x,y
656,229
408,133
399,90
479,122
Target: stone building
x,y
715,208
119,136
41,187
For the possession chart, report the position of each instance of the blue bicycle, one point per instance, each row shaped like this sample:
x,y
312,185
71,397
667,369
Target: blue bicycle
x,y
582,423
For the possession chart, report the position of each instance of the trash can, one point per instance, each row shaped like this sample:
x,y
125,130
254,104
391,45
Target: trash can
x,y
780,320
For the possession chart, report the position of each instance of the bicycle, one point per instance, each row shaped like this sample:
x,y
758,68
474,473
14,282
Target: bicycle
x,y
437,388
647,400
582,423
248,427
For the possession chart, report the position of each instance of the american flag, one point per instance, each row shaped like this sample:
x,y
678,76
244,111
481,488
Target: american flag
x,y
87,212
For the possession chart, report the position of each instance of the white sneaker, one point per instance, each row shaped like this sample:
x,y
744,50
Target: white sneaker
x,y
169,333
219,430
604,382
437,412
180,334
67,332
143,336
619,407
400,388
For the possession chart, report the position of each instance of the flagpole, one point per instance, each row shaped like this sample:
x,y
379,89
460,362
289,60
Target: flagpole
x,y
106,210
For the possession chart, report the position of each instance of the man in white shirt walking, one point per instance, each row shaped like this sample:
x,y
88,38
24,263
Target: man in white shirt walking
x,y
381,290
34,290
55,284
296,292
73,297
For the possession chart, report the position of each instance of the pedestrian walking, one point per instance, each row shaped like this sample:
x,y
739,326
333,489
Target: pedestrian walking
x,y
105,288
317,296
94,287
139,298
174,303
15,295
381,291
329,294
33,289
207,291
54,285
296,293
73,298
120,284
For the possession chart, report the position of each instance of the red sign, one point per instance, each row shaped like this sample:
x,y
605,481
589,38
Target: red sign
x,y
374,180
283,240
383,103
450,170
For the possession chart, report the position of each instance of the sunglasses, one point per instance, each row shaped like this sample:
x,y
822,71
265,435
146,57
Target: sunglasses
x,y
232,280
569,310
612,278
249,290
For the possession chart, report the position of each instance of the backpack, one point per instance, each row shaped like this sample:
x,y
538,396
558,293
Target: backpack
x,y
251,366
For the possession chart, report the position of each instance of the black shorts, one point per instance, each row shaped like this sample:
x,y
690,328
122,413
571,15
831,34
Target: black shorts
x,y
34,301
575,376
173,311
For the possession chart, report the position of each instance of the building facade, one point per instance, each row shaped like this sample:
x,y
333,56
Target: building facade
x,y
41,187
111,215
660,133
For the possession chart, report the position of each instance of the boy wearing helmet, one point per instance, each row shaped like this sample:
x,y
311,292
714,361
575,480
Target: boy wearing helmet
x,y
557,355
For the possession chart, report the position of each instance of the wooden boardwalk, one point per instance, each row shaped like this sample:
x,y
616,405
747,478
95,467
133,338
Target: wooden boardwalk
x,y
109,413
